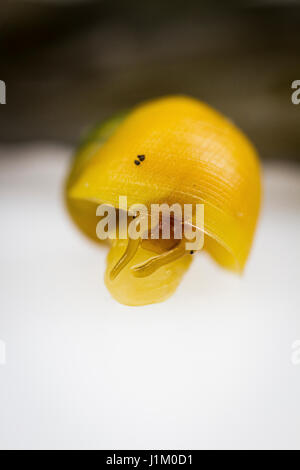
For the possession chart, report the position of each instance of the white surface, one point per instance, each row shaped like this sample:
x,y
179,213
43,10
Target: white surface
x,y
210,368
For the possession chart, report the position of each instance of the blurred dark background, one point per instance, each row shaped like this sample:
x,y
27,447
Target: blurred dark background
x,y
69,64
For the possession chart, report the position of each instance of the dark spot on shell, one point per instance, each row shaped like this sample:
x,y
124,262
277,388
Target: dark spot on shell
x,y
141,158
137,162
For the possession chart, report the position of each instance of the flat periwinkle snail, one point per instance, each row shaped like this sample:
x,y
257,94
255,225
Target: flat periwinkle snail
x,y
172,150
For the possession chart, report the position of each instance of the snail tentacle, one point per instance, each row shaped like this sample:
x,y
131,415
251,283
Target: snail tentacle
x,y
152,264
130,251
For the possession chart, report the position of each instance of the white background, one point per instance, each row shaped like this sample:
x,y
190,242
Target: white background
x,y
209,368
